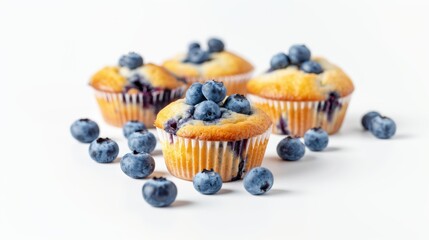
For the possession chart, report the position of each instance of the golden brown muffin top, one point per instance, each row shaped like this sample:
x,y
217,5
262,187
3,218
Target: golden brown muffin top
x,y
114,78
292,84
231,126
221,64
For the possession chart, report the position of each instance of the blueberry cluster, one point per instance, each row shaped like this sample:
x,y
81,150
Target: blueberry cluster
x,y
131,60
197,55
380,126
299,55
208,101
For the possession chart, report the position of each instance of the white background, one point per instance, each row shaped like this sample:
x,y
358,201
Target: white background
x,y
360,188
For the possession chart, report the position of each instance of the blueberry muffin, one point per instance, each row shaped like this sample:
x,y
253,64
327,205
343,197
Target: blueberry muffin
x,y
208,130
299,92
199,65
133,90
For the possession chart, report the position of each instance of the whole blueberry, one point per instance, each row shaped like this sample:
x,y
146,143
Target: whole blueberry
x,y
258,181
194,45
137,165
131,60
311,67
207,111
367,119
132,126
159,192
207,182
142,141
215,45
383,127
197,56
213,90
85,130
278,61
299,54
237,103
316,139
291,149
194,94
103,150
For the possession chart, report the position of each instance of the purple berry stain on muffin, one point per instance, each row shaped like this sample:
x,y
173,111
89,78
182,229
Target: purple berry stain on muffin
x,y
330,105
283,126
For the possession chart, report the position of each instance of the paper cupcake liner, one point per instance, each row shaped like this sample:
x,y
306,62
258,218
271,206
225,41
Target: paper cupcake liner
x,y
119,108
296,117
186,157
233,83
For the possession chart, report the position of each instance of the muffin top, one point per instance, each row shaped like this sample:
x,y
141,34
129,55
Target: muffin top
x,y
132,74
298,77
207,114
215,62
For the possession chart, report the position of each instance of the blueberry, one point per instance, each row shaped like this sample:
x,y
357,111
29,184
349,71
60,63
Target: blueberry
x,y
194,45
258,181
290,149
214,91
137,165
316,139
207,182
197,56
299,54
85,130
103,150
367,119
131,60
383,127
159,192
207,111
142,141
132,126
215,45
278,61
194,94
237,103
311,67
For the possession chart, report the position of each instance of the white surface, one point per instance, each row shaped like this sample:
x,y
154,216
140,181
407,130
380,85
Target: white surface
x,y
360,188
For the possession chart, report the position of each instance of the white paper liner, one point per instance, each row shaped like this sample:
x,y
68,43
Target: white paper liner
x,y
223,160
298,109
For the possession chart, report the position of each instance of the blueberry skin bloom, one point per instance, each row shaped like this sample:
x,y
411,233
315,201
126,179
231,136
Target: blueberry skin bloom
x,y
194,45
197,56
258,181
194,94
316,139
137,165
142,141
103,150
159,192
278,61
237,103
290,149
383,127
85,130
367,119
299,54
132,126
207,182
311,67
207,111
214,91
215,45
131,60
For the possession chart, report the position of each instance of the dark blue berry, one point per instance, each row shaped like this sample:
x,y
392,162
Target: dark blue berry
x,y
383,127
367,119
194,45
103,150
258,181
207,182
131,60
159,192
311,67
207,111
142,141
299,54
290,149
133,126
215,45
278,61
194,94
137,165
237,103
85,130
316,139
214,91
197,56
